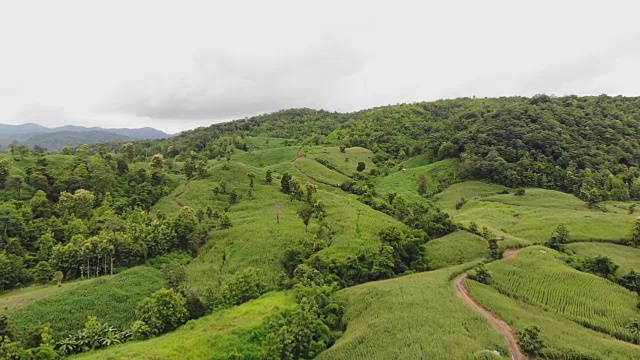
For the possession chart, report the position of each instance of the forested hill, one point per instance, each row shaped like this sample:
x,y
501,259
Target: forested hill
x,y
585,145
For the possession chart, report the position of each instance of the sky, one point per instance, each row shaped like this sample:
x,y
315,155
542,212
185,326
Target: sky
x,y
182,64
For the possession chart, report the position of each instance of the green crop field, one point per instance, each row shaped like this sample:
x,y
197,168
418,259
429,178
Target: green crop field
x,y
404,182
215,336
20,297
453,249
563,338
345,163
539,277
267,157
626,257
534,216
411,317
319,172
264,142
113,299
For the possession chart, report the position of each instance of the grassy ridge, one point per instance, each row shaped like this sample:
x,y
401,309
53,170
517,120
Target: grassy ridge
x,y
20,297
267,157
113,299
215,336
534,216
320,173
627,258
347,162
563,338
404,182
538,277
256,238
453,249
411,317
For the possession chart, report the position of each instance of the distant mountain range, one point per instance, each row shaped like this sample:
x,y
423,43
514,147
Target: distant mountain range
x,y
55,139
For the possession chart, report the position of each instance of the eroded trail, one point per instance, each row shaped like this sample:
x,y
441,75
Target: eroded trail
x,y
498,324
184,191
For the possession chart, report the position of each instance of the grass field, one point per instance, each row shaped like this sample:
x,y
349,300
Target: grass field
x,y
539,277
453,249
404,183
20,297
267,157
345,163
256,239
113,299
320,173
563,338
534,216
411,317
263,142
215,336
626,257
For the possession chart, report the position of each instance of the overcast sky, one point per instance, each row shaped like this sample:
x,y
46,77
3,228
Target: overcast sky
x,y
181,64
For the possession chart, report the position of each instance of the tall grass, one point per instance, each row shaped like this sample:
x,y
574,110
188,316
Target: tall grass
x,y
454,249
538,277
215,336
411,317
563,338
113,299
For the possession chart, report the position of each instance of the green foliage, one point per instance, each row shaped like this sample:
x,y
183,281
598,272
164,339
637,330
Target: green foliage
x,y
42,273
481,275
529,341
162,311
243,287
559,238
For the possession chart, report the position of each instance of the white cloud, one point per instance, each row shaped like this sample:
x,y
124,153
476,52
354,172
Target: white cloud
x,y
180,64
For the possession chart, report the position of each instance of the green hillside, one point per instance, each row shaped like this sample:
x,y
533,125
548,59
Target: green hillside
x,y
255,228
113,299
627,258
404,318
533,216
454,249
537,276
215,336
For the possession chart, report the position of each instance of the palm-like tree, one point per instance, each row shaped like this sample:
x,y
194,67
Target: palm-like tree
x,y
67,346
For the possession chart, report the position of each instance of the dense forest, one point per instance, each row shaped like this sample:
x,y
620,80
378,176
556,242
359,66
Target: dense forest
x,y
587,146
89,211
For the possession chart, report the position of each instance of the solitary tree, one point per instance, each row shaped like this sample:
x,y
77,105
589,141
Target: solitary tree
x,y
494,251
58,276
529,341
635,236
305,213
559,238
251,177
311,189
268,178
361,166
163,311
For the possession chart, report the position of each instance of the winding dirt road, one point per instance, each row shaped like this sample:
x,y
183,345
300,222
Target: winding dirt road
x,y
498,324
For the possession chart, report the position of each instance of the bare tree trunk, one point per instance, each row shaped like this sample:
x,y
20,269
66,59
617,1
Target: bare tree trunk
x,y
111,264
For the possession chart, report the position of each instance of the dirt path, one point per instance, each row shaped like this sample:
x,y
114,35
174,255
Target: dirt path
x,y
498,324
177,200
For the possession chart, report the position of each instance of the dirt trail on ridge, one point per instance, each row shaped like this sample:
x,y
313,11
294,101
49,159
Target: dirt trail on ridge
x,y
177,200
498,324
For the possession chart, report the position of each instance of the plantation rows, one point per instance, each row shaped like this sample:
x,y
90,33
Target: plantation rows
x,y
542,280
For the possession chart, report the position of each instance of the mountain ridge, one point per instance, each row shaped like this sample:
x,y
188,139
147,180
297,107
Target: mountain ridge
x,y
55,138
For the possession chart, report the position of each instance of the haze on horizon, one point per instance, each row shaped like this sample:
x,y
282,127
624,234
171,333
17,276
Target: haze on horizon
x,y
178,65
